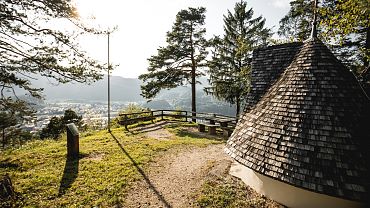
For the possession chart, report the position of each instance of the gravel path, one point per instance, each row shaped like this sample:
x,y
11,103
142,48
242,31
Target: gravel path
x,y
171,181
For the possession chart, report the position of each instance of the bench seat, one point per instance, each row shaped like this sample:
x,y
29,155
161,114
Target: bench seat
x,y
211,128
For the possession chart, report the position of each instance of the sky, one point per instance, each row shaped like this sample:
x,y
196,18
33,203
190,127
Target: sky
x,y
142,26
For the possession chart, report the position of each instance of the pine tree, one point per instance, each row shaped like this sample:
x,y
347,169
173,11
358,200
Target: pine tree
x,y
57,125
296,25
30,46
6,120
231,55
178,63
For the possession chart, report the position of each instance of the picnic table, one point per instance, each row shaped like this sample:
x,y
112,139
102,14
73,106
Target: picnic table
x,y
211,128
222,121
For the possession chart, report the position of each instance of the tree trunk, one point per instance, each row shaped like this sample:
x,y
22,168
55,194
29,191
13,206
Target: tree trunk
x,y
237,106
4,138
193,97
367,48
193,81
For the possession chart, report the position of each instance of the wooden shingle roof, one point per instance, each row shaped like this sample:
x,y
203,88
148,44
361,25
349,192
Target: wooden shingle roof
x,y
309,128
268,64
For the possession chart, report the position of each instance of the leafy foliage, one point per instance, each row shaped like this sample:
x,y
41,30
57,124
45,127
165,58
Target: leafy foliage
x,y
6,120
347,24
53,129
178,63
71,117
57,125
231,55
31,44
296,25
134,108
10,117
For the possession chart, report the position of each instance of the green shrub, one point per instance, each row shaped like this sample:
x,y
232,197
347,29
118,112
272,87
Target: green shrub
x,y
135,108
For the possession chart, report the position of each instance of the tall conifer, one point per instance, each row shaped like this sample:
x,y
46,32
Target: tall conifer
x,y
178,63
231,55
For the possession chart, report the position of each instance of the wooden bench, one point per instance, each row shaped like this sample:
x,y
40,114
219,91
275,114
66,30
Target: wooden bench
x,y
211,128
128,121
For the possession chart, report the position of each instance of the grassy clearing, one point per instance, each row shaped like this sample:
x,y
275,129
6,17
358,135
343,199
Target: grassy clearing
x,y
230,192
107,166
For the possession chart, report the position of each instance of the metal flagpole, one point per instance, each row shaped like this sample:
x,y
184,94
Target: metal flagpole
x,y
108,87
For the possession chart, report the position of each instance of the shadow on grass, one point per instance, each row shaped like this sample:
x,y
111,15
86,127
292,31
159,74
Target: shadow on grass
x,y
15,165
70,174
141,171
184,132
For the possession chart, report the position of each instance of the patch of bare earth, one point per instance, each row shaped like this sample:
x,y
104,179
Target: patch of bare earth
x,y
174,178
161,134
155,130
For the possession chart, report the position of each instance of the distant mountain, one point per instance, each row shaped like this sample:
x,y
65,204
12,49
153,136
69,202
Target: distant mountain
x,y
128,90
180,98
122,89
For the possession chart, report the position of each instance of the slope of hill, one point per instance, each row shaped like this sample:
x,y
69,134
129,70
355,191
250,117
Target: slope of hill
x,y
43,176
120,169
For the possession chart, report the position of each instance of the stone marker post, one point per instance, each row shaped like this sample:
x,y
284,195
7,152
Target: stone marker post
x,y
72,141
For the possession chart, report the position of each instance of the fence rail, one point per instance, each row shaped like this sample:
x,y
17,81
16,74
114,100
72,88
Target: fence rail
x,y
131,118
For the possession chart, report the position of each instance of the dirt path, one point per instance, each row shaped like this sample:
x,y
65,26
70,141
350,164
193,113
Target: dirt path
x,y
171,181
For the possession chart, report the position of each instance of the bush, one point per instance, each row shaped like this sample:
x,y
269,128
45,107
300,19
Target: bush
x,y
57,125
134,108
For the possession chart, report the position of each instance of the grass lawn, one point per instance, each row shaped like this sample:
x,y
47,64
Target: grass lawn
x,y
107,166
227,191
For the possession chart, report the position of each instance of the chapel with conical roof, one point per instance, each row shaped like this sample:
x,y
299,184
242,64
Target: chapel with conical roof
x,y
303,139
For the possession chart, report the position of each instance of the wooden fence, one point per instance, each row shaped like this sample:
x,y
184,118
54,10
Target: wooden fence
x,y
131,118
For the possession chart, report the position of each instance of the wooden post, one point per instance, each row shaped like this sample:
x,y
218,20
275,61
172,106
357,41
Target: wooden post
x,y
125,121
4,138
162,115
201,127
72,141
212,130
151,116
186,116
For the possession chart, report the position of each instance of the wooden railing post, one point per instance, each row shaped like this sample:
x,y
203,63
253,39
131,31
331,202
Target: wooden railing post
x,y
125,121
178,114
152,116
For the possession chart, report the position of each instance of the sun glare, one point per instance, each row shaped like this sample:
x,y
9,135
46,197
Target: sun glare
x,y
101,12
